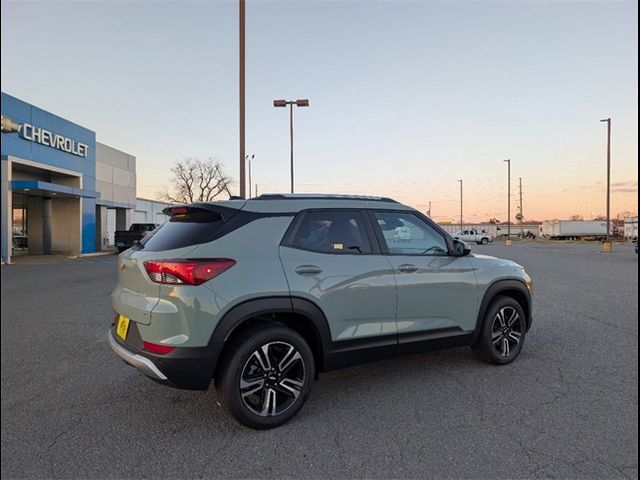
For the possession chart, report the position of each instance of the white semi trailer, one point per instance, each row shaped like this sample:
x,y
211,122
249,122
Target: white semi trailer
x,y
631,228
566,229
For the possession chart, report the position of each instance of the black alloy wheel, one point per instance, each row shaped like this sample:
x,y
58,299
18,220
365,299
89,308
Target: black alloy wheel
x,y
266,375
272,378
503,332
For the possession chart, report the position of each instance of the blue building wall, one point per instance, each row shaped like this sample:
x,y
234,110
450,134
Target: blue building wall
x,y
12,144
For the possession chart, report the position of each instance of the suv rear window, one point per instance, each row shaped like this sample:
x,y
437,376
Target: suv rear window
x,y
192,228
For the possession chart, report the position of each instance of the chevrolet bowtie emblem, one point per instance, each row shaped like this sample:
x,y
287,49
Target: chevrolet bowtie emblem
x,y
9,126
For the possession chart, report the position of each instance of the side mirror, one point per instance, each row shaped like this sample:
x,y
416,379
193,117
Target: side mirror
x,y
460,248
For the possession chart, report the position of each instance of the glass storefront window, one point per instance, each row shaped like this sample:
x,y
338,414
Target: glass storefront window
x,y
19,230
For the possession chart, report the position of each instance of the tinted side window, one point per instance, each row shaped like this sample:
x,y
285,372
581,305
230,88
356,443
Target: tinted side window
x,y
332,232
406,233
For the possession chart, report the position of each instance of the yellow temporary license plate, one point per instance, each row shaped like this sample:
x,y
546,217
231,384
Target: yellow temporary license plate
x,y
122,327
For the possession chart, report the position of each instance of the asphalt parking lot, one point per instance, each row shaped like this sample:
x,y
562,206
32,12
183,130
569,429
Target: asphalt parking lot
x,y
567,408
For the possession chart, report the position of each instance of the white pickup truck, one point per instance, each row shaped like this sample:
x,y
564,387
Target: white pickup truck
x,y
481,238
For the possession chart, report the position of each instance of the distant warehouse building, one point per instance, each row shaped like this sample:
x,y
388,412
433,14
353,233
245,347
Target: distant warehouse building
x,y
62,191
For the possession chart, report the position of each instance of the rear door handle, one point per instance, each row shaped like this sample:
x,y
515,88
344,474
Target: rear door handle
x,y
308,270
407,268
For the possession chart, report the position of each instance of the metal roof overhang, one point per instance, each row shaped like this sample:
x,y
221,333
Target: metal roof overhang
x,y
46,189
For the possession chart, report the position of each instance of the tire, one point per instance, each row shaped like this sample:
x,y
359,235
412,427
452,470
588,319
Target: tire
x,y
484,240
121,249
244,368
491,346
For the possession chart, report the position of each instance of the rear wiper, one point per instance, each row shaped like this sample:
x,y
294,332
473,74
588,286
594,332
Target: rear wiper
x,y
355,247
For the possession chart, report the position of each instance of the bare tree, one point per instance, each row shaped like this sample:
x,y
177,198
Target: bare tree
x,y
196,180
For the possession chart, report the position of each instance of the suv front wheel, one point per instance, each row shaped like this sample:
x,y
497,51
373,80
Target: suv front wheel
x,y
503,332
266,376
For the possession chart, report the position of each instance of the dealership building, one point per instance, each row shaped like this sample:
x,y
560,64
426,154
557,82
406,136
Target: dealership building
x,y
62,191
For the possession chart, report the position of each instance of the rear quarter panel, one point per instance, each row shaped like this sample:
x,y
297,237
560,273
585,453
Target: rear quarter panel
x,y
189,315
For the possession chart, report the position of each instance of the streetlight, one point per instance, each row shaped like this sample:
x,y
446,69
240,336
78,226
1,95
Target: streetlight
x,y
298,103
520,214
607,247
460,203
508,242
249,158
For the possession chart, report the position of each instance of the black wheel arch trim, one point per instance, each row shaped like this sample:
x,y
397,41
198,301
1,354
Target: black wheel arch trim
x,y
272,306
496,289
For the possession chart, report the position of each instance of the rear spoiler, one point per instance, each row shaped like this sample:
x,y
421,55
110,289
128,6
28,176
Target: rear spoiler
x,y
225,212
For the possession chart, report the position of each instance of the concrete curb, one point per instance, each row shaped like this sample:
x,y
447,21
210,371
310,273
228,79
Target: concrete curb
x,y
95,254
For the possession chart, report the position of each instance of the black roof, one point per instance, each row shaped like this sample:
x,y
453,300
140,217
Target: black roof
x,y
321,196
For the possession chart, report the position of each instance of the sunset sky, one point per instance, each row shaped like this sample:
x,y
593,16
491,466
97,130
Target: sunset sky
x,y
406,97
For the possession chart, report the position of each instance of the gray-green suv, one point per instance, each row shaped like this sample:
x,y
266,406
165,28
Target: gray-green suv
x,y
263,294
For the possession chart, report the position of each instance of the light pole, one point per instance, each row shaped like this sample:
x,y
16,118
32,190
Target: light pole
x,y
298,103
508,242
460,203
241,96
249,158
607,247
521,214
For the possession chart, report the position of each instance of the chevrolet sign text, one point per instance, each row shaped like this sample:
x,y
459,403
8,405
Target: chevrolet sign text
x,y
45,137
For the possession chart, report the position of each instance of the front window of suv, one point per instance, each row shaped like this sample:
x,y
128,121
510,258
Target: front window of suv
x,y
407,234
332,232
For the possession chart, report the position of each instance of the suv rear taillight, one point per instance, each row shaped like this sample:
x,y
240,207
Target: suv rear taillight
x,y
186,271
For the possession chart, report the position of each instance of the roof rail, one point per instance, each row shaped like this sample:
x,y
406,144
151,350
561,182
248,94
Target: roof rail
x,y
321,196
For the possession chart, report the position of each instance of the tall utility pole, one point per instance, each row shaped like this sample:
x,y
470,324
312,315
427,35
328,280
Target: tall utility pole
x,y
508,201
241,95
521,213
460,203
291,141
429,208
606,238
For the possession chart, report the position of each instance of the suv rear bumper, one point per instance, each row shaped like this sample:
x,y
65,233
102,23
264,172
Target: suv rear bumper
x,y
187,368
143,364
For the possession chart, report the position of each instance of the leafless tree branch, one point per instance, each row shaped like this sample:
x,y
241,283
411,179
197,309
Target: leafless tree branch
x,y
196,180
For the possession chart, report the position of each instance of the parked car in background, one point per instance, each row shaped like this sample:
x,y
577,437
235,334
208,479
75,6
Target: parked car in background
x,y
479,237
263,294
137,231
526,234
19,239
